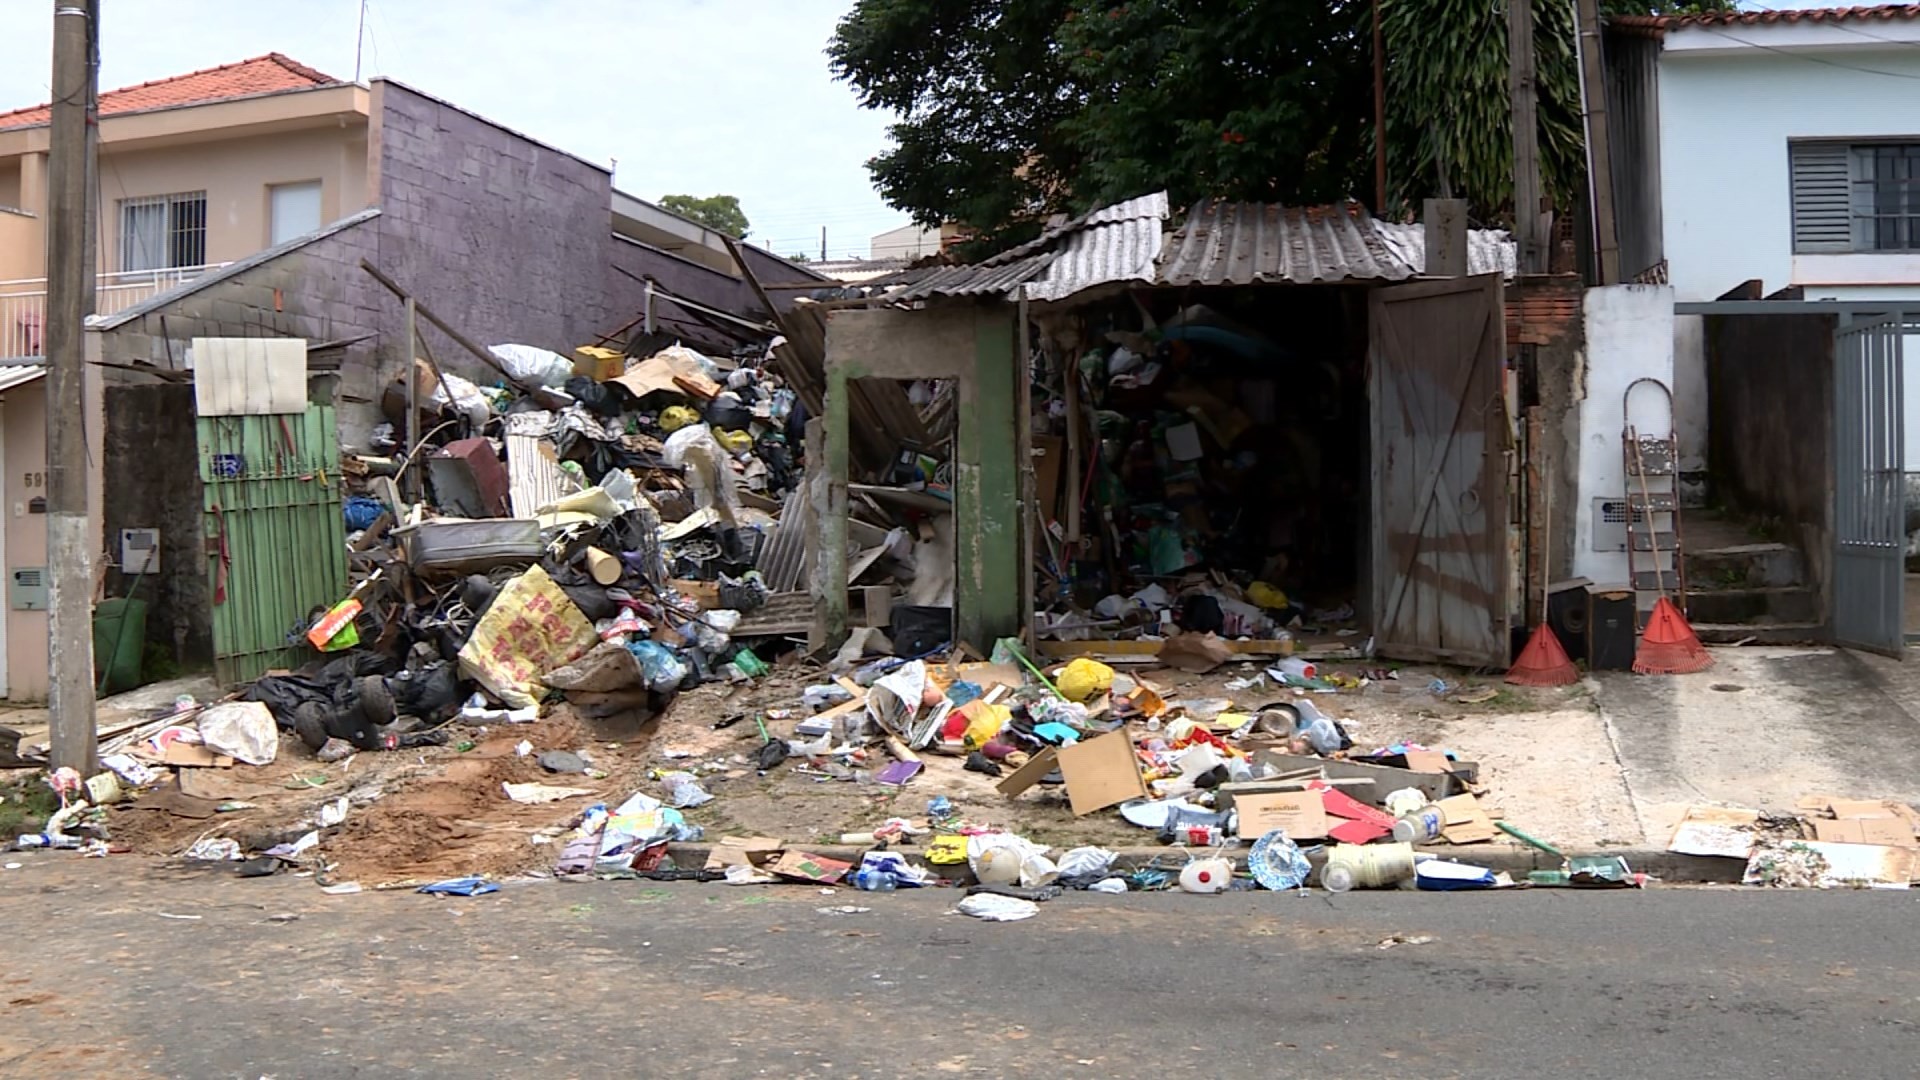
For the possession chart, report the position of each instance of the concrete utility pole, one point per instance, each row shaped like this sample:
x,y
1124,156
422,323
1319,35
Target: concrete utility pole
x,y
69,540
1526,138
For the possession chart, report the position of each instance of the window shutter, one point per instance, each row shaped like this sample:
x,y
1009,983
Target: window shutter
x,y
1822,190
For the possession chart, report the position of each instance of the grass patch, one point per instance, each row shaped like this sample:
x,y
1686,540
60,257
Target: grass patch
x,y
27,806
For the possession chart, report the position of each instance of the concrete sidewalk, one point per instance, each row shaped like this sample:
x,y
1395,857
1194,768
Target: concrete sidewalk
x,y
1763,728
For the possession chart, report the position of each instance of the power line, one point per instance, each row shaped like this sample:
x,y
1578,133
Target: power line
x,y
1808,57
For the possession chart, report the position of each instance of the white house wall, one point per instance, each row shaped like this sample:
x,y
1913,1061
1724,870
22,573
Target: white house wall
x,y
1725,121
1629,336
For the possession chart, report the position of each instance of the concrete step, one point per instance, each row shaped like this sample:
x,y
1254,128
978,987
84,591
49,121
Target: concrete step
x,y
1745,566
1759,633
1791,604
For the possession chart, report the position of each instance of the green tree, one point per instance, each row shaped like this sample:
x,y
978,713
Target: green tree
x,y
1008,110
721,213
979,90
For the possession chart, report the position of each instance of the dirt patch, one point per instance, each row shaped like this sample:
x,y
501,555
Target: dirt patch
x,y
420,814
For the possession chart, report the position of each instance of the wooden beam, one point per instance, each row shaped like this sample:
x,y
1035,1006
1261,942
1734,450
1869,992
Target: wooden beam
x,y
1523,89
459,338
1593,96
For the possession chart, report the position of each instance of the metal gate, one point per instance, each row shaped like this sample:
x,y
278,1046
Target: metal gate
x,y
1869,496
1441,590
276,544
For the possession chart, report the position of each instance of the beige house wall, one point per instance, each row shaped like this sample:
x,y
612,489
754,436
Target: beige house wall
x,y
233,150
235,174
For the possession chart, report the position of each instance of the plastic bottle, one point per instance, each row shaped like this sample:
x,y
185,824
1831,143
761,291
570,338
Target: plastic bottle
x,y
1295,668
1420,826
870,880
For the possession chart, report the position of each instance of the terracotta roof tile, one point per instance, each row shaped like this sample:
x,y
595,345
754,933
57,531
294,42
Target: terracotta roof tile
x,y
1763,17
260,75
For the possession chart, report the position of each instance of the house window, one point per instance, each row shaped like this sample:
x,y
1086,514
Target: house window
x,y
1855,197
159,232
294,210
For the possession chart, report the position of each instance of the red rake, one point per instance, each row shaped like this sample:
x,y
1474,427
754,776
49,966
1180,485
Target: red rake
x,y
1667,645
1543,662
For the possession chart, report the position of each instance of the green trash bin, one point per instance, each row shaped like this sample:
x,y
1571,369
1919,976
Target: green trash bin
x,y
119,642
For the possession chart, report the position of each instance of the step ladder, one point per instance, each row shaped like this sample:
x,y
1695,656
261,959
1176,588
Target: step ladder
x,y
1656,563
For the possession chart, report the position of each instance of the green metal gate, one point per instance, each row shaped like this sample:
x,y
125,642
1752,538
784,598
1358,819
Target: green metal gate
x,y
276,544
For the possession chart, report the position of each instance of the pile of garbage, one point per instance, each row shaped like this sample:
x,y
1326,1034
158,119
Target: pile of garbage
x,y
596,535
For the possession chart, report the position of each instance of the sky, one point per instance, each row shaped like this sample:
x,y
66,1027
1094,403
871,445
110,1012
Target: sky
x,y
697,97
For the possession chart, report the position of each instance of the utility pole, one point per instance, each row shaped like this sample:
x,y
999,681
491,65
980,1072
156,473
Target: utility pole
x,y
1593,103
69,540
1526,138
823,243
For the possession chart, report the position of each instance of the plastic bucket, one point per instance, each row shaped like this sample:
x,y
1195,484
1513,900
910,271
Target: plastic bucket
x,y
1373,866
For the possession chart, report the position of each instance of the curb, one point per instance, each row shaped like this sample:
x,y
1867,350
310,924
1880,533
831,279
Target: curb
x,y
1665,866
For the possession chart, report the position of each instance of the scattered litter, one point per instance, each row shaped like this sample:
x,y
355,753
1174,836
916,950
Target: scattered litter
x,y
536,794
1394,940
844,909
214,849
996,908
465,886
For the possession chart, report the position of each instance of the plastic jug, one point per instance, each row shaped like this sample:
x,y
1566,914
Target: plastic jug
x,y
1207,876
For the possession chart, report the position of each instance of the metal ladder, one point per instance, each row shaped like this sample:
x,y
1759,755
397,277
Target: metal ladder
x,y
1656,563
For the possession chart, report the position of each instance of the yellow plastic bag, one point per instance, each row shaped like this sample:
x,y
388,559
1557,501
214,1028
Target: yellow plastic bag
x,y
1084,678
947,850
984,721
531,629
675,417
1266,596
736,442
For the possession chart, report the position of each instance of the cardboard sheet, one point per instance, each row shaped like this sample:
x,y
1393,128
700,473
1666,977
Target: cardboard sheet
x,y
1300,814
1101,772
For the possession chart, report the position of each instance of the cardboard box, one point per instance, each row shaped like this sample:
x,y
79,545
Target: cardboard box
x,y
1101,772
1724,831
800,866
1885,831
706,594
742,851
1037,766
1467,823
194,756
1435,786
598,363
1300,814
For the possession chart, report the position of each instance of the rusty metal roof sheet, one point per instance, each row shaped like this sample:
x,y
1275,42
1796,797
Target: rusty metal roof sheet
x,y
1244,243
1489,251
982,279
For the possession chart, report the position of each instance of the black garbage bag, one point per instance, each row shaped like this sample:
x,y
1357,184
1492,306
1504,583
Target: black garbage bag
x,y
601,399
430,692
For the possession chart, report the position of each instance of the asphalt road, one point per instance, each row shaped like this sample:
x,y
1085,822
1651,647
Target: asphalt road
x,y
124,968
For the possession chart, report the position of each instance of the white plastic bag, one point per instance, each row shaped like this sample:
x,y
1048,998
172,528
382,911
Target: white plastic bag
x,y
995,908
532,365
242,730
709,468
464,396
1086,864
1003,859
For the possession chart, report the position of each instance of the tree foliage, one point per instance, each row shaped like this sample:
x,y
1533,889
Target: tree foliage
x,y
1007,110
721,213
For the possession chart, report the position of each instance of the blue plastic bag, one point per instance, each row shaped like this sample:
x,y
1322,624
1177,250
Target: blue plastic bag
x,y
463,886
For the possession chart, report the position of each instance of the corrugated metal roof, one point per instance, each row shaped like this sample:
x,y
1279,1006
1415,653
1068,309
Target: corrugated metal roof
x,y
985,279
1115,244
1244,243
1488,250
12,375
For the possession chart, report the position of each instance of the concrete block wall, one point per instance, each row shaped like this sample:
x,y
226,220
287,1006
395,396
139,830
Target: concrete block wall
x,y
503,237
